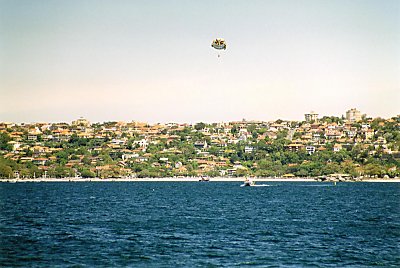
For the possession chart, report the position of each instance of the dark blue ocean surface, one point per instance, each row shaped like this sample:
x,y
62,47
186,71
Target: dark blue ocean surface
x,y
188,224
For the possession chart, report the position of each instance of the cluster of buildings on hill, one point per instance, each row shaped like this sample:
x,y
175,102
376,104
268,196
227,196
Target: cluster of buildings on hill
x,y
353,115
184,149
342,133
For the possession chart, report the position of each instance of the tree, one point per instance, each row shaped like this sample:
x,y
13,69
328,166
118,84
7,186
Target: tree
x,y
349,167
5,171
282,134
62,157
268,168
86,173
235,129
261,131
330,168
251,128
105,157
61,172
86,160
374,170
199,126
4,139
242,172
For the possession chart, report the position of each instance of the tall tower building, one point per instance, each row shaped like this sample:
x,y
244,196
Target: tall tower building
x,y
353,115
81,122
312,116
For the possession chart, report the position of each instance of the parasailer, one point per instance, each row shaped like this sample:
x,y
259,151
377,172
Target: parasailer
x,y
219,44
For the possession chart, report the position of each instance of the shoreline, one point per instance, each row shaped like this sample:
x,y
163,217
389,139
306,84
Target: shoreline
x,y
198,179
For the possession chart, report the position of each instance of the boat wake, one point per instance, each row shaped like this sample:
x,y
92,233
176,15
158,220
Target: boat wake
x,y
323,185
256,185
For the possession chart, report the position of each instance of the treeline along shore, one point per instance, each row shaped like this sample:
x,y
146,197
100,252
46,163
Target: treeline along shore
x,y
328,148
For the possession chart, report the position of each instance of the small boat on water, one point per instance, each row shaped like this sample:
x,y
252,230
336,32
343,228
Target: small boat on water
x,y
204,179
248,182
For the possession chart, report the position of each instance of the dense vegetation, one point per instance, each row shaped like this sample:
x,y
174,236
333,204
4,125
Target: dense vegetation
x,y
192,151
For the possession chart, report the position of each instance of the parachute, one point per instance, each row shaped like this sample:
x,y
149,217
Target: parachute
x,y
219,44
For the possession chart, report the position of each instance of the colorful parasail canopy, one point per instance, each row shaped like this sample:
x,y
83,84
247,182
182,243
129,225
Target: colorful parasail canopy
x,y
219,43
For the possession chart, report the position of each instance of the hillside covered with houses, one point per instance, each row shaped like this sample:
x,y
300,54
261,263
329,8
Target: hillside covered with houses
x,y
354,145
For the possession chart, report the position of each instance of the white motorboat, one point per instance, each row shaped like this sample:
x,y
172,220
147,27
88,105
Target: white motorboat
x,y
248,182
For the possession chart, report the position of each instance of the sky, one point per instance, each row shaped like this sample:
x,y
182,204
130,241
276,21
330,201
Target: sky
x,y
152,61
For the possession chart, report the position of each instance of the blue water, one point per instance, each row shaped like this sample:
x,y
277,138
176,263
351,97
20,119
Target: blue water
x,y
215,224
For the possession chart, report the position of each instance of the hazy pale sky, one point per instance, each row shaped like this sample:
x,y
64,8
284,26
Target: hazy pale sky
x,y
152,60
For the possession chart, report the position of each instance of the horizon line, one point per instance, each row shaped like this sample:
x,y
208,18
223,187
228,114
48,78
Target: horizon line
x,y
178,122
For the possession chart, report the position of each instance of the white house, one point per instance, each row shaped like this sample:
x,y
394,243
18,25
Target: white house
x,y
310,149
248,149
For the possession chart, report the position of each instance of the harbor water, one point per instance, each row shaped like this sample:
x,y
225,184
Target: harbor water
x,y
199,224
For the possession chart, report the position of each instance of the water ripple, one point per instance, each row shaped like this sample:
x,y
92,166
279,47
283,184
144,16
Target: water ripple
x,y
215,225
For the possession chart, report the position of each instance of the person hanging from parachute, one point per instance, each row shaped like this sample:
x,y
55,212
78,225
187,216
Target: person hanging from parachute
x,y
219,44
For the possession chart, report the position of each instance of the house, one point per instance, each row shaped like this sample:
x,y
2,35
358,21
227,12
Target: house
x,y
233,141
365,126
230,171
243,138
26,159
316,137
15,145
182,170
16,136
200,144
369,134
142,159
381,140
72,163
310,149
337,147
118,141
178,165
142,143
40,161
248,149
333,134
127,156
221,163
278,126
271,135
352,132
295,147
237,165
307,136
32,137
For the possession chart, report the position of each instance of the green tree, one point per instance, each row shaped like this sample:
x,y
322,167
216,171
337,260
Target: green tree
x,y
374,170
5,171
251,128
235,129
86,173
199,126
282,134
4,139
61,172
